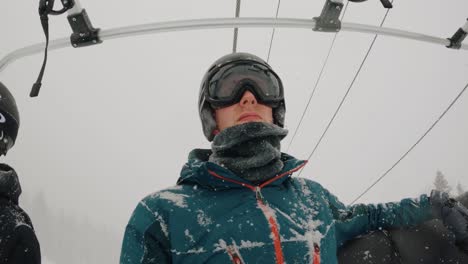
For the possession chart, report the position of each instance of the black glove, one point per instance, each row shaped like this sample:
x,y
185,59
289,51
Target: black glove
x,y
454,216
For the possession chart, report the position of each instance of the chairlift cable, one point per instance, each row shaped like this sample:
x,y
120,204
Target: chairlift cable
x,y
347,92
273,32
236,30
316,83
413,146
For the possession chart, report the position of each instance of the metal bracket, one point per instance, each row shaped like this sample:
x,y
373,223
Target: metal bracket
x,y
386,3
457,38
329,19
84,34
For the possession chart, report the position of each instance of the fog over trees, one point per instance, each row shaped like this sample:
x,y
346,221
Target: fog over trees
x,y
441,184
67,238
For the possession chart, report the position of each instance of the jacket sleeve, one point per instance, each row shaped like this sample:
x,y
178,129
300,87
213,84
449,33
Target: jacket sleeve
x,y
359,219
23,246
145,239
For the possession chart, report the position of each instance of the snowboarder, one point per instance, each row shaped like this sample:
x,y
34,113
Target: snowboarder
x,y
238,202
18,241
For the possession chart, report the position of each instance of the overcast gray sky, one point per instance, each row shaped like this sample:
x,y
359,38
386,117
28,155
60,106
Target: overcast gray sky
x,y
115,122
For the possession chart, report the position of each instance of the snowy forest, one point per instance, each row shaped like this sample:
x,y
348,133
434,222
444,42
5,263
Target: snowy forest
x,y
67,238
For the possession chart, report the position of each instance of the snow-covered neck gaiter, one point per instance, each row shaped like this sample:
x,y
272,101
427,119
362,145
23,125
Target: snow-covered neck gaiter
x,y
250,150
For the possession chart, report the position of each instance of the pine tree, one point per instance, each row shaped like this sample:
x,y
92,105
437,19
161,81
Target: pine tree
x,y
441,184
460,189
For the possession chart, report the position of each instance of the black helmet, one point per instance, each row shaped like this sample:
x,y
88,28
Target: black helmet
x,y
9,120
265,84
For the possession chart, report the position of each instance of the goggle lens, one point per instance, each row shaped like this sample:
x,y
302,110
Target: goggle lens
x,y
227,84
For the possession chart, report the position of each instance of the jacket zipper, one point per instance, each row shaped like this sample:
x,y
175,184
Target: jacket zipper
x,y
234,255
273,225
269,216
316,259
275,231
258,194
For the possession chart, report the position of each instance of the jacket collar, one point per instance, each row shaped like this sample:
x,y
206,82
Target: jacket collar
x,y
198,170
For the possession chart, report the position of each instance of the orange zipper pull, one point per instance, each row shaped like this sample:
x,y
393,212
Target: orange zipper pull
x,y
258,194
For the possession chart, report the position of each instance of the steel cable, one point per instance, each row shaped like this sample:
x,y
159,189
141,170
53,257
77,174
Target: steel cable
x,y
316,83
347,92
413,146
273,31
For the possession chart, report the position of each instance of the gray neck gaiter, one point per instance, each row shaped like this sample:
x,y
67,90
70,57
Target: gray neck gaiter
x,y
250,150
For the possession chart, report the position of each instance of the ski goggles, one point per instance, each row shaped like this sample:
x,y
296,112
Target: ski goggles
x,y
227,85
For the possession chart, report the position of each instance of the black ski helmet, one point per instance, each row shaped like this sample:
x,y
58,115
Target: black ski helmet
x,y
204,108
9,120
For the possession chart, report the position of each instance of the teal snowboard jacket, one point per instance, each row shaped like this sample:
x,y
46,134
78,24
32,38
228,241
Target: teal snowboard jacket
x,y
213,216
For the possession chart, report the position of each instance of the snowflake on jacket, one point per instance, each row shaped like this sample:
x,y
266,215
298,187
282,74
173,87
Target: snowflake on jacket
x,y
18,242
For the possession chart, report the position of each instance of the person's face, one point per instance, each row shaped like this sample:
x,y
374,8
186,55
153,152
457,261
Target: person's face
x,y
246,110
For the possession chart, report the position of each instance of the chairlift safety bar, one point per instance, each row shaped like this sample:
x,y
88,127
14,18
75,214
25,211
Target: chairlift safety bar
x,y
217,23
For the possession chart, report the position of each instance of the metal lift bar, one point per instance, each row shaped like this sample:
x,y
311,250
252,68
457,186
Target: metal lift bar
x,y
214,23
458,37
